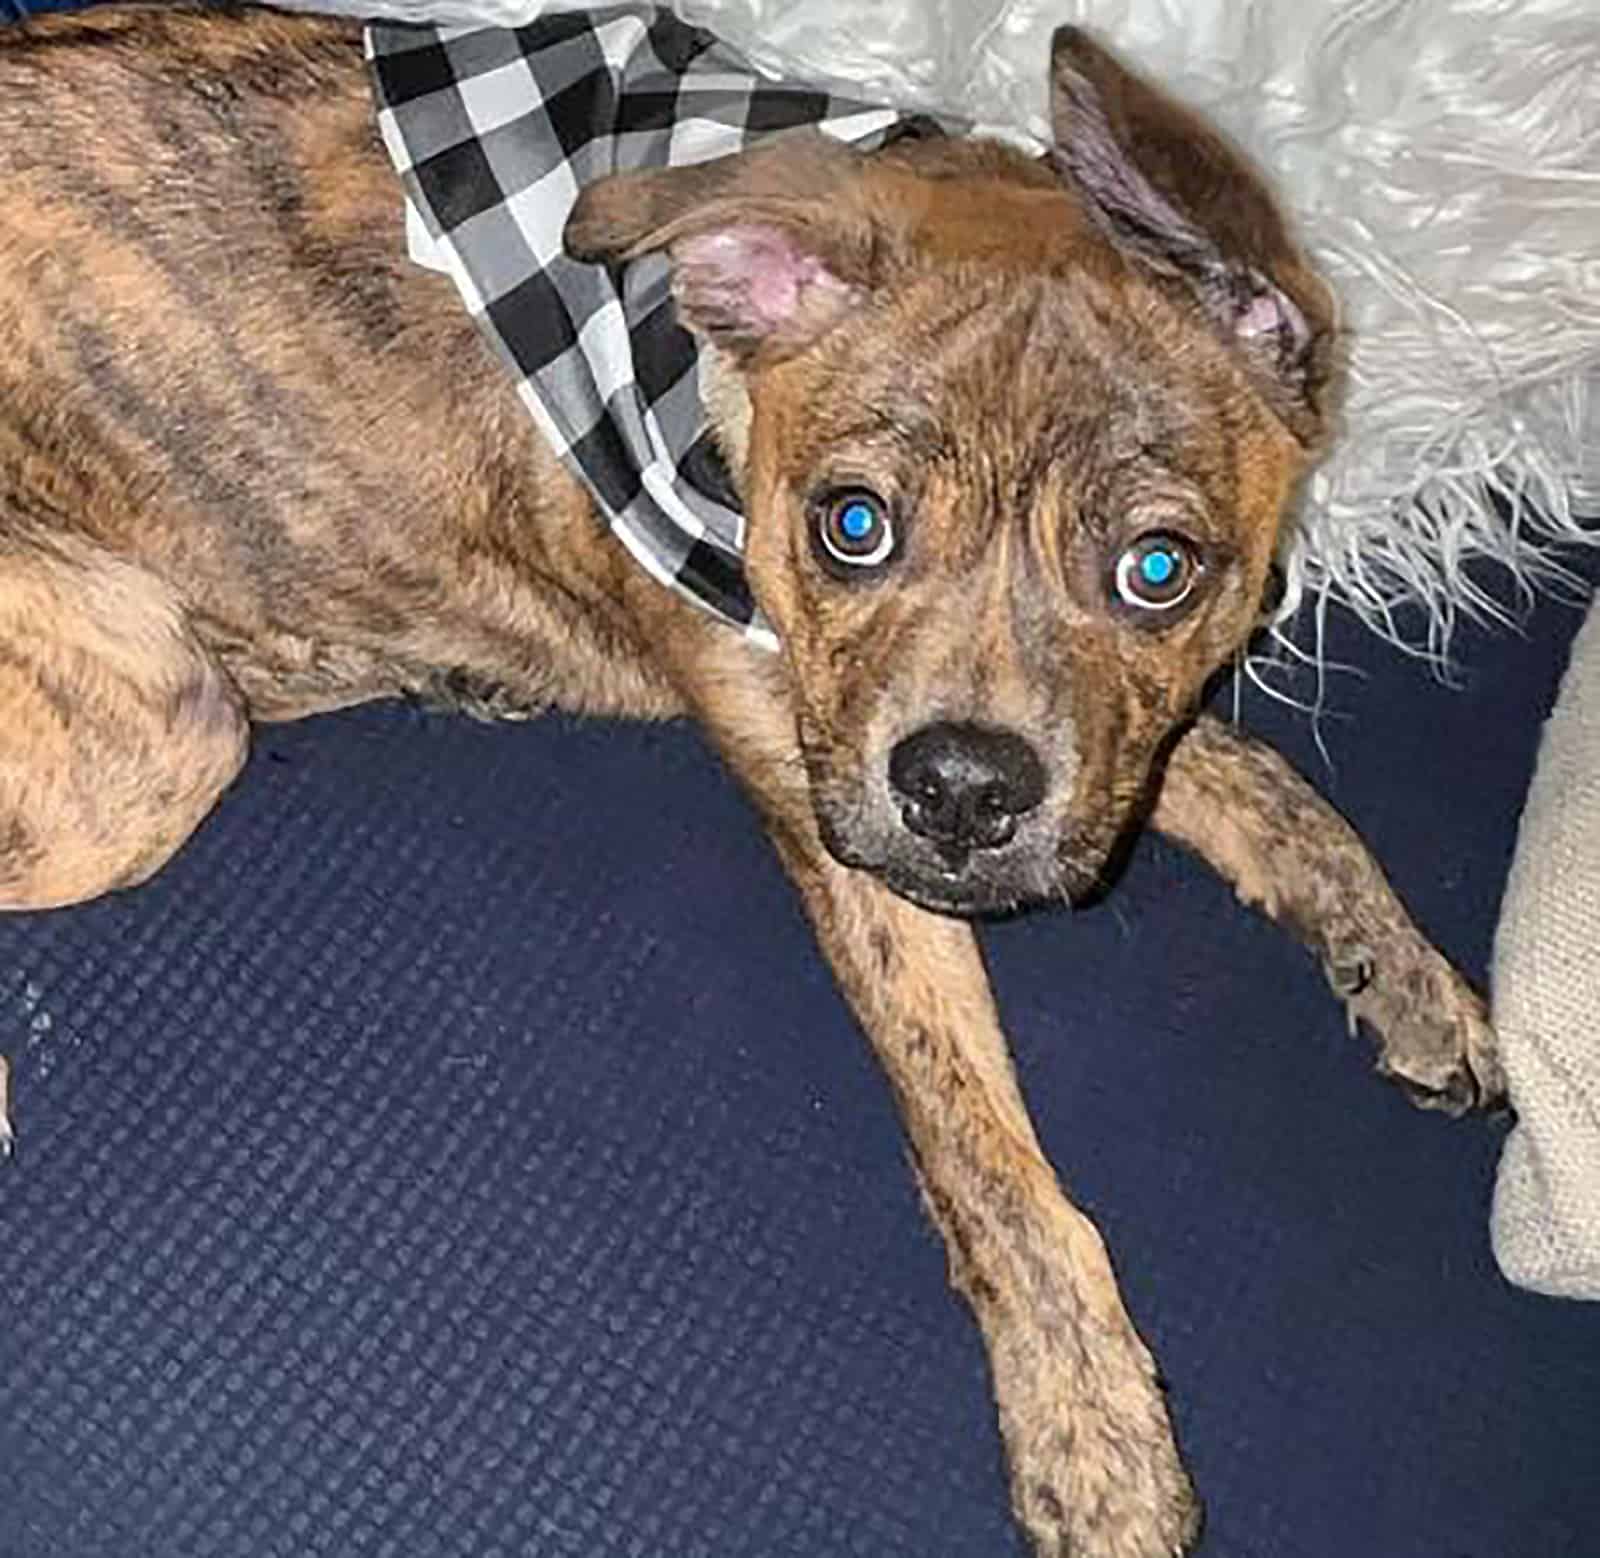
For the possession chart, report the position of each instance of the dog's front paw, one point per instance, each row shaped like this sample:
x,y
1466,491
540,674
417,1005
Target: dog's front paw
x,y
1432,1027
1097,1474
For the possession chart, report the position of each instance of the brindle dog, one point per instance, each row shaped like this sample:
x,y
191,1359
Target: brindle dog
x,y
255,464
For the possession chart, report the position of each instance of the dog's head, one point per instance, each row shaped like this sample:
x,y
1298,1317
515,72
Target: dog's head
x,y
1015,438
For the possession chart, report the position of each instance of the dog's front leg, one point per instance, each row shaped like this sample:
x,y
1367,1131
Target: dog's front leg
x,y
1094,1469
1251,816
1094,1472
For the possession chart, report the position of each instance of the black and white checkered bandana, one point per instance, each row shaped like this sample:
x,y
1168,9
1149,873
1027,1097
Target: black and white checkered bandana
x,y
494,131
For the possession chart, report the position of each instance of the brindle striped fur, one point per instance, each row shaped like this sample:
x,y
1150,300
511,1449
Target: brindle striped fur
x,y
254,464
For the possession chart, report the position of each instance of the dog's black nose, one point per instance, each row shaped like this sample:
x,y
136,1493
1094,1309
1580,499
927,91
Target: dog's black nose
x,y
965,785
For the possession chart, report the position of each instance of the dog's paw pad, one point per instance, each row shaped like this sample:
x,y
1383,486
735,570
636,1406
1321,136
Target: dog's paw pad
x,y
1456,1094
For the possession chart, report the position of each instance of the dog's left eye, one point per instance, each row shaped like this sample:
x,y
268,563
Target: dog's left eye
x,y
855,529
1159,571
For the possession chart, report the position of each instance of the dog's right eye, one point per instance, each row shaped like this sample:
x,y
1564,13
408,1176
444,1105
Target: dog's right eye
x,y
854,528
1158,572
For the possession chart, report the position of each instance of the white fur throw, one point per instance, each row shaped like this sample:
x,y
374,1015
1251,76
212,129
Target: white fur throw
x,y
1546,1222
1443,160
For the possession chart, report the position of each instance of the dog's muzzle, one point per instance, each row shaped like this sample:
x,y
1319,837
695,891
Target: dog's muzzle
x,y
959,818
964,787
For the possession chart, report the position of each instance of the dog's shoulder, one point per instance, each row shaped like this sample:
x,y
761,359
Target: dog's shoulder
x,y
144,42
93,85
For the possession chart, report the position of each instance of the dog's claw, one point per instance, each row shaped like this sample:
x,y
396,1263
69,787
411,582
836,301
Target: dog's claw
x,y
1352,973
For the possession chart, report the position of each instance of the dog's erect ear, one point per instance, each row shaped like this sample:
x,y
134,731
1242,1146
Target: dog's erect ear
x,y
1169,191
767,250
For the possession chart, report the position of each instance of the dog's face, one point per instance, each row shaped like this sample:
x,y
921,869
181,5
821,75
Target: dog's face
x,y
1006,534
1015,440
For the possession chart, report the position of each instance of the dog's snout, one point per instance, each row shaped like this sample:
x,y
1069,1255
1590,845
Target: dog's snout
x,y
965,785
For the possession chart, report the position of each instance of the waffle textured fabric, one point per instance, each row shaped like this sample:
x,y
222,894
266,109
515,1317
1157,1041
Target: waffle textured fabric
x,y
1546,1222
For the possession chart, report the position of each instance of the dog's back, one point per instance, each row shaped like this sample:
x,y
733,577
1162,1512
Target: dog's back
x,y
215,361
161,170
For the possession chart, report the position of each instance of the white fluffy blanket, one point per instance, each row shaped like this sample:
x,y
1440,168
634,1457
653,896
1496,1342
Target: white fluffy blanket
x,y
1443,160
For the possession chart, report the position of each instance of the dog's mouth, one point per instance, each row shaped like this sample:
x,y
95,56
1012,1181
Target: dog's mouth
x,y
946,879
958,890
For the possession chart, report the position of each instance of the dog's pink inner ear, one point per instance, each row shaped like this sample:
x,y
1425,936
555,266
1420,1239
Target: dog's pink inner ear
x,y
1265,314
756,285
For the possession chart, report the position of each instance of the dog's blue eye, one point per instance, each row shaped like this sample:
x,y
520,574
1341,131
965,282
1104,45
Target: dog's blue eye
x,y
1157,567
857,519
855,529
1157,572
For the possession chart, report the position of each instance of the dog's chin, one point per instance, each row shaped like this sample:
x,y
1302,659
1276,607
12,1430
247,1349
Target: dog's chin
x,y
977,883
984,892
959,893
1063,863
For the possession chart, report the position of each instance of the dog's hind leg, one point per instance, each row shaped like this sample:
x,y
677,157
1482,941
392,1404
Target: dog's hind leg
x,y
1094,1469
117,731
1239,806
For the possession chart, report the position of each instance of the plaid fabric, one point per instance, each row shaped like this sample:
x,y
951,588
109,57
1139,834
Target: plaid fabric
x,y
494,131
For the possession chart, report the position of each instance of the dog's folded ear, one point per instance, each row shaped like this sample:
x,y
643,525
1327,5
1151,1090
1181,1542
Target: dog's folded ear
x,y
1171,193
767,249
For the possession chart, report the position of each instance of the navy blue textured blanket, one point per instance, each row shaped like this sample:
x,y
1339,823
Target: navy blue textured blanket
x,y
449,1154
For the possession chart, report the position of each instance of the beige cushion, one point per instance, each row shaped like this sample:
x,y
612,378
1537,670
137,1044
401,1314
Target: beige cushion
x,y
1546,1000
